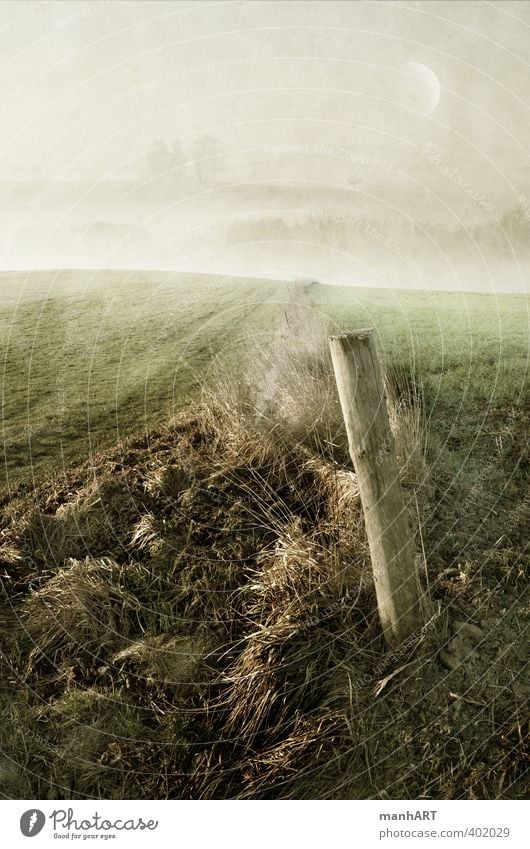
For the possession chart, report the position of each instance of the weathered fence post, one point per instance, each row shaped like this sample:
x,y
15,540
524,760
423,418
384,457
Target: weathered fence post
x,y
371,443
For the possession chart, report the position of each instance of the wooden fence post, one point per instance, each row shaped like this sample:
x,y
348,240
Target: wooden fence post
x,y
371,443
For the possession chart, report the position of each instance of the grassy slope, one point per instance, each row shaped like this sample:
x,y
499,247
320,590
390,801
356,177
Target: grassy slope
x,y
91,356
88,357
469,351
221,639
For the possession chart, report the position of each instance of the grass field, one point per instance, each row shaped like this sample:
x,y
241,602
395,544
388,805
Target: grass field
x,y
89,357
189,612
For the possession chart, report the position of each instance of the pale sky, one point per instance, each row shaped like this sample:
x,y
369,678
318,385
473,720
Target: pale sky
x,y
126,123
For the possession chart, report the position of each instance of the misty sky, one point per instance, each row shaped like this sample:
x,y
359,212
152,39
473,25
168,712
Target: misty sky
x,y
272,138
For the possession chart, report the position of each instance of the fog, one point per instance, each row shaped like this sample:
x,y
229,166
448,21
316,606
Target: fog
x,y
291,140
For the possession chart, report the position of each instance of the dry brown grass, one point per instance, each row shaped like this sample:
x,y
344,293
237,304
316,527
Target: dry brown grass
x,y
193,616
238,553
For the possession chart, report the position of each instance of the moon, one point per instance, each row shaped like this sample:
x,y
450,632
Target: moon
x,y
423,87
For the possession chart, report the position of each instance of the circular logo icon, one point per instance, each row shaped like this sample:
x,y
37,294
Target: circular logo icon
x,y
32,822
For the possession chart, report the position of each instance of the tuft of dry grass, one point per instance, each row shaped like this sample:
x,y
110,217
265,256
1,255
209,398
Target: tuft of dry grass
x,y
146,534
87,607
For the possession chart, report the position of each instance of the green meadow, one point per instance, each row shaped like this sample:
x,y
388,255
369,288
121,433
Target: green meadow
x,y
188,600
90,357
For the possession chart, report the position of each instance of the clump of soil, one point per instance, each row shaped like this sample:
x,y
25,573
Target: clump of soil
x,y
192,615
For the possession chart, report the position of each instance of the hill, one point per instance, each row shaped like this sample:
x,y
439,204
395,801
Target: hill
x,y
189,613
192,615
89,357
